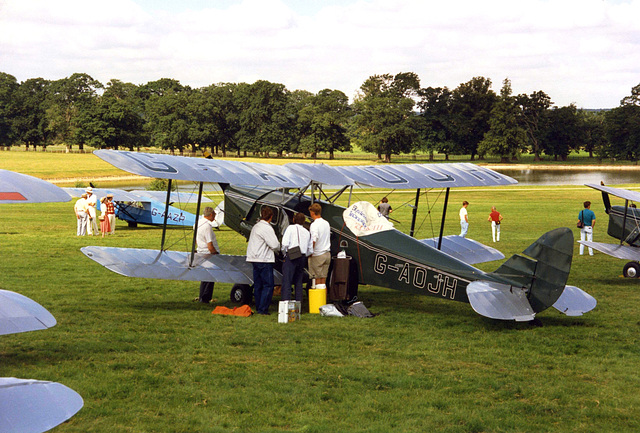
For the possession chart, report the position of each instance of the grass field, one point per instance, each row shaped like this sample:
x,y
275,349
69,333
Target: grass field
x,y
145,358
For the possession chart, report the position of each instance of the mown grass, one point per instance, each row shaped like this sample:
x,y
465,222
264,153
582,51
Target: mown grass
x,y
146,358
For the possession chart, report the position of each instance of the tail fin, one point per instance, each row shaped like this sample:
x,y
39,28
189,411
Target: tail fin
x,y
545,271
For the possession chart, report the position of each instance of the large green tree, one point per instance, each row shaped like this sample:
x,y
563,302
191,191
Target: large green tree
x,y
563,131
384,121
8,88
325,118
31,123
267,118
471,107
168,120
505,137
435,121
533,108
68,97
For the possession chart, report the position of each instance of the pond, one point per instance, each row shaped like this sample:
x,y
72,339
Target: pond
x,y
572,177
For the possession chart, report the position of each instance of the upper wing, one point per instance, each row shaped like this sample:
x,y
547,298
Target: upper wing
x,y
174,265
465,249
118,194
21,188
21,314
176,196
294,175
140,195
618,192
34,406
614,250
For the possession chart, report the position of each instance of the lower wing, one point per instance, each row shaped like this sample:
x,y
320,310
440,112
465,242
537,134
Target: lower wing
x,y
174,265
21,314
615,250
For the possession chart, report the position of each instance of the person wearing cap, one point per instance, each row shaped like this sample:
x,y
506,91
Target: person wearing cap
x,y
111,213
80,209
92,202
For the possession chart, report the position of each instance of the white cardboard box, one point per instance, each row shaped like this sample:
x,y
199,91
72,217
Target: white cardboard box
x,y
288,311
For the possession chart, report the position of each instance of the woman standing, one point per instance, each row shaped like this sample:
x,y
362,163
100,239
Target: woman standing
x,y
105,226
295,239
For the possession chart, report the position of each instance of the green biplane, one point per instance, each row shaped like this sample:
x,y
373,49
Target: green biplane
x,y
523,286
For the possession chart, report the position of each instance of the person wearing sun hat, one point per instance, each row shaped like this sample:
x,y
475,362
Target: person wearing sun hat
x,y
92,202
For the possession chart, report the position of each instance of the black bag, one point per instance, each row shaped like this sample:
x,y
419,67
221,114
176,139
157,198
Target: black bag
x,y
294,253
580,223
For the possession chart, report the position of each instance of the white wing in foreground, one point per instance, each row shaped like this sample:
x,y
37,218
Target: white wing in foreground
x,y
34,406
21,314
22,188
174,265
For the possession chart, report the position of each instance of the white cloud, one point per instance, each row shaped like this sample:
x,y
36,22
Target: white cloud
x,y
582,51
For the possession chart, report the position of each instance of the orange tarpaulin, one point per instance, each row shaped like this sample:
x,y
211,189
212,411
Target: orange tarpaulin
x,y
243,311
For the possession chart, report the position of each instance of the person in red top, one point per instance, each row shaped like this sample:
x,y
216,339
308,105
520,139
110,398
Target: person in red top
x,y
111,213
495,218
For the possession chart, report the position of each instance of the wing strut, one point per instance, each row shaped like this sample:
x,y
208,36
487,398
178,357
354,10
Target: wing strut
x,y
195,228
444,214
166,215
624,220
415,212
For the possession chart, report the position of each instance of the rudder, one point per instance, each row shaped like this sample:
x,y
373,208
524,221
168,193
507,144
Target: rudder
x,y
543,268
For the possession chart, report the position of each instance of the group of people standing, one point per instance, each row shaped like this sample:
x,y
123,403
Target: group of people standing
x,y
86,214
586,222
495,218
297,245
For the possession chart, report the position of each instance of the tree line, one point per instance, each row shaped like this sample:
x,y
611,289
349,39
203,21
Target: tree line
x,y
389,115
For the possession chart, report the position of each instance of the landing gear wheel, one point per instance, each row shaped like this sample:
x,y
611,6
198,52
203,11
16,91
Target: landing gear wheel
x,y
241,294
631,270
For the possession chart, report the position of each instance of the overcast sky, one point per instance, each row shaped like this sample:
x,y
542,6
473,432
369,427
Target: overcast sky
x,y
585,52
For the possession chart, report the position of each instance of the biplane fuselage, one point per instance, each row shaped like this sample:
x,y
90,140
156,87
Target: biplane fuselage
x,y
389,259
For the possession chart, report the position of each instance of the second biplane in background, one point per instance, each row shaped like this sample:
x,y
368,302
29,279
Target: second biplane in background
x,y
523,286
148,207
624,225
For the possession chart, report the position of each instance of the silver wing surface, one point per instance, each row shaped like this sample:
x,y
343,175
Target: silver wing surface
x,y
295,175
575,302
21,188
412,176
174,265
34,406
176,196
20,314
140,195
465,249
618,251
499,301
118,194
202,170
618,192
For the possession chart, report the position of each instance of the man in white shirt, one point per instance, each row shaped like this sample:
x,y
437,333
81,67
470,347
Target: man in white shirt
x,y
464,219
80,209
92,203
260,253
321,238
293,268
206,244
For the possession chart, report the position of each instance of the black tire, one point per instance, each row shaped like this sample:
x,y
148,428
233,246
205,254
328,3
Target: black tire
x,y
132,224
241,294
631,270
